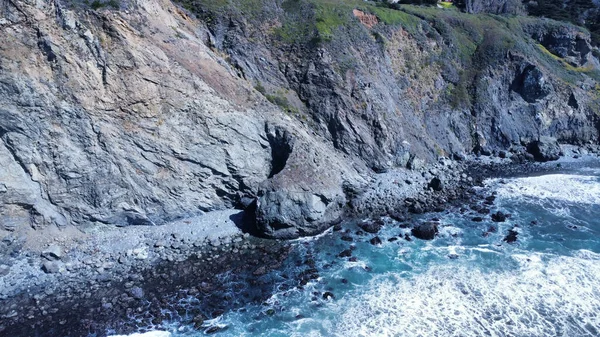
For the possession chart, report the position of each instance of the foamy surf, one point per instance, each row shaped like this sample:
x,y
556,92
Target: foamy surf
x,y
557,297
581,189
146,334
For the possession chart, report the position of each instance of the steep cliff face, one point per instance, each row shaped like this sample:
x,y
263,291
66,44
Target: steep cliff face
x,y
127,118
421,82
145,114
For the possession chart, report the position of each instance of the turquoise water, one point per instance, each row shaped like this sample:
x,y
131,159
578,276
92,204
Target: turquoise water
x,y
463,283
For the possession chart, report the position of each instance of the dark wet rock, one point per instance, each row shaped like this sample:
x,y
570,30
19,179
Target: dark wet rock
x,y
532,84
544,149
375,241
372,227
483,210
345,253
436,184
416,209
198,321
425,231
337,228
407,237
477,219
492,229
347,238
398,216
215,329
499,217
393,239
328,295
511,237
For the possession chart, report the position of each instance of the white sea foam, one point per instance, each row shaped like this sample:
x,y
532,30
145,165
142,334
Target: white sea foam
x,y
560,187
546,296
147,334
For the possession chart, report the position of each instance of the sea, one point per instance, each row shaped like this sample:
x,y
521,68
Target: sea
x,y
468,281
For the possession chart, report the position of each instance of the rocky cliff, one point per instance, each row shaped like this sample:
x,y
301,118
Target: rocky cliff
x,y
143,112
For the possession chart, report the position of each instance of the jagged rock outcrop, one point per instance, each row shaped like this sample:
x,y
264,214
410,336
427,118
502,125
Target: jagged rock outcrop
x,y
145,114
128,118
416,82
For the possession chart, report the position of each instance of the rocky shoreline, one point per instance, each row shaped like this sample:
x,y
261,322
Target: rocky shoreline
x,y
122,278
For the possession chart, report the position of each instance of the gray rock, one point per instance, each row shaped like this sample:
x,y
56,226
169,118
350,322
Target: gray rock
x,y
54,252
4,270
51,267
532,84
544,149
137,293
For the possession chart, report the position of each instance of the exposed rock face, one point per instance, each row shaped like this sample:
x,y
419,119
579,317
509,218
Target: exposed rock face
x,y
495,6
366,19
145,115
531,84
128,118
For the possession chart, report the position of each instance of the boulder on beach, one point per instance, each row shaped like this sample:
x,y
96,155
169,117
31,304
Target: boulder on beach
x,y
544,149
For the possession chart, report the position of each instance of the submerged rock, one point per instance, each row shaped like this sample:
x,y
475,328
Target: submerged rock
x,y
372,227
511,237
375,241
499,217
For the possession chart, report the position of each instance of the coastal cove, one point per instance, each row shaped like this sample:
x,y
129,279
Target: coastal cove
x,y
229,283
184,168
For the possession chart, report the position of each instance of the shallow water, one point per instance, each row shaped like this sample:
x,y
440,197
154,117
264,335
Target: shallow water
x,y
463,283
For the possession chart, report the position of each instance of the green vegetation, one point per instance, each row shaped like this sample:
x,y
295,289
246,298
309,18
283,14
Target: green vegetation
x,y
579,12
446,5
465,46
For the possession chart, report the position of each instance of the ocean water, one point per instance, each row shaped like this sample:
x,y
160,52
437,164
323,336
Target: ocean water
x,y
466,282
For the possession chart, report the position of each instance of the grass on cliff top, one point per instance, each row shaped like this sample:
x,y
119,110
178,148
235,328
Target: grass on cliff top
x,y
471,40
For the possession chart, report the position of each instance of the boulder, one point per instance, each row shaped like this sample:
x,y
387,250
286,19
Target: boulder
x,y
371,226
375,241
544,149
53,253
425,231
51,267
436,184
499,217
531,84
511,237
